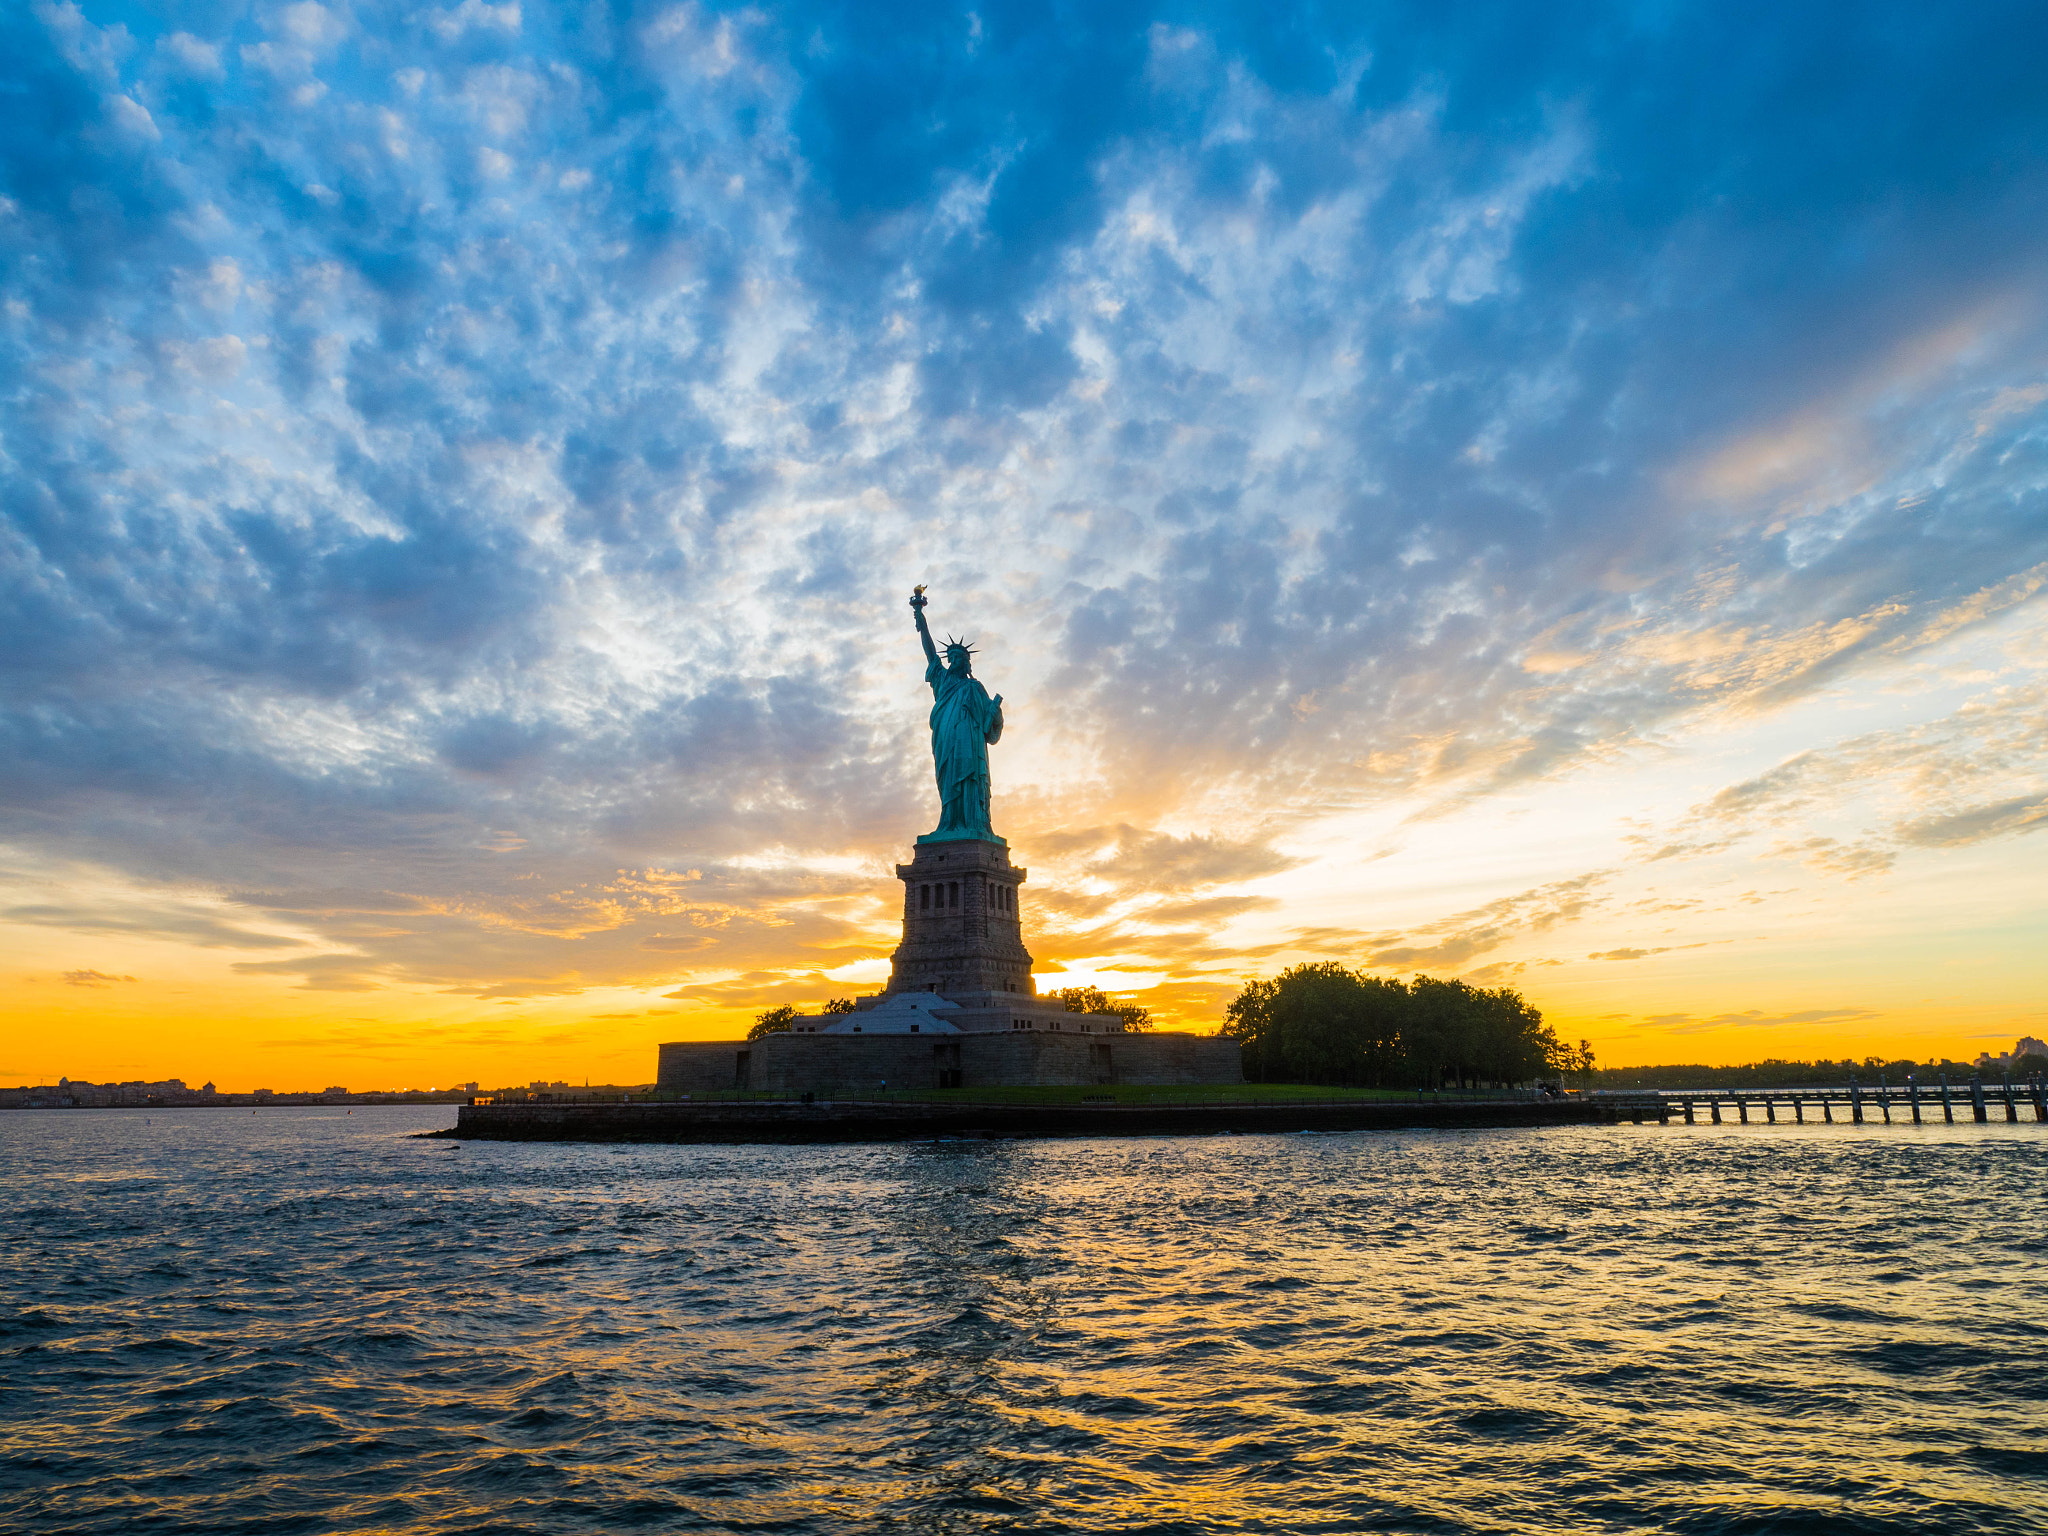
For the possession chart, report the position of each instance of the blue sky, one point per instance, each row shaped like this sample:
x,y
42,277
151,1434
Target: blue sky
x,y
1479,487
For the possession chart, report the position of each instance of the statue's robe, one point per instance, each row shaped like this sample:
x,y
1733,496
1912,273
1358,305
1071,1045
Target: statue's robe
x,y
966,722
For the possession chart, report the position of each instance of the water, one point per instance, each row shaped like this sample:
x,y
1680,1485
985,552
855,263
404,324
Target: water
x,y
302,1320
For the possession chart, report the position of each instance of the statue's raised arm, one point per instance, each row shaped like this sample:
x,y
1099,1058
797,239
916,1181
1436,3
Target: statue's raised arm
x,y
965,722
917,601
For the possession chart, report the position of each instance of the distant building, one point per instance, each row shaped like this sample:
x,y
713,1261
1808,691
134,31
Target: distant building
x,y
2026,1045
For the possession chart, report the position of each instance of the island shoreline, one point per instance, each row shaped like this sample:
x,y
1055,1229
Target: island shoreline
x,y
840,1121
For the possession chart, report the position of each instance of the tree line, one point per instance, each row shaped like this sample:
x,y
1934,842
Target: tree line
x,y
1326,1023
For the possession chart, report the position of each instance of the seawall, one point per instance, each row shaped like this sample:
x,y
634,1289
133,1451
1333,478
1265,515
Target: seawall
x,y
790,1121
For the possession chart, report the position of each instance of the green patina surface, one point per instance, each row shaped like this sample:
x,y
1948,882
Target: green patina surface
x,y
965,723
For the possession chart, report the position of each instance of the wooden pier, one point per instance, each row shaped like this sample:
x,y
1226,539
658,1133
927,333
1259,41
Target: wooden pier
x,y
1910,1103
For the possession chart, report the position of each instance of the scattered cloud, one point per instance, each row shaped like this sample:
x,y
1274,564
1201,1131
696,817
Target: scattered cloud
x,y
92,978
1835,858
1468,934
169,920
318,973
1974,824
1644,954
465,464
1945,766
1687,1024
1133,861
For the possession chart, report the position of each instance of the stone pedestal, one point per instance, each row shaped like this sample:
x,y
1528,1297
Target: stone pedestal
x,y
962,922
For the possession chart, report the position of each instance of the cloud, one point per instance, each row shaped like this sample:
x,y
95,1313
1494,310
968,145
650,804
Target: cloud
x,y
1974,824
1644,954
91,978
1132,860
1468,934
1832,857
456,453
1995,740
1688,1024
155,921
1499,972
1212,910
317,973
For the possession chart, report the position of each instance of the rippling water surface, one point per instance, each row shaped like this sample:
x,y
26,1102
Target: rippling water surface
x,y
302,1320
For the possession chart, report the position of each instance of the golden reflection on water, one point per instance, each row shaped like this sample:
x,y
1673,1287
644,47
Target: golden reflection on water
x,y
1632,1328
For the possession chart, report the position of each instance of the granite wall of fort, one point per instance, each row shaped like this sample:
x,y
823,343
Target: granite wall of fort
x,y
796,1064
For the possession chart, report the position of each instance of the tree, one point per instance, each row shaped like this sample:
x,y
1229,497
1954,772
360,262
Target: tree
x,y
1572,1061
1514,1044
1094,1000
838,1005
1477,1035
1319,1023
1325,1023
775,1021
1333,1025
1440,1039
1248,1019
1136,1016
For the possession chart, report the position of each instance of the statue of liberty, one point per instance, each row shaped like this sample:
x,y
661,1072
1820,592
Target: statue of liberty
x,y
966,722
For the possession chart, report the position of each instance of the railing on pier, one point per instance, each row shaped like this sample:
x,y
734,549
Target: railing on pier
x,y
1913,1102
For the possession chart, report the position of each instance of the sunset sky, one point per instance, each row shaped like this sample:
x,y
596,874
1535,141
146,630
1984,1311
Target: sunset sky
x,y
1555,495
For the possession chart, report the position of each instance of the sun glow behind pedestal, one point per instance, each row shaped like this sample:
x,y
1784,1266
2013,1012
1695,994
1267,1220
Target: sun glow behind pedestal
x,y
1107,975
867,975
